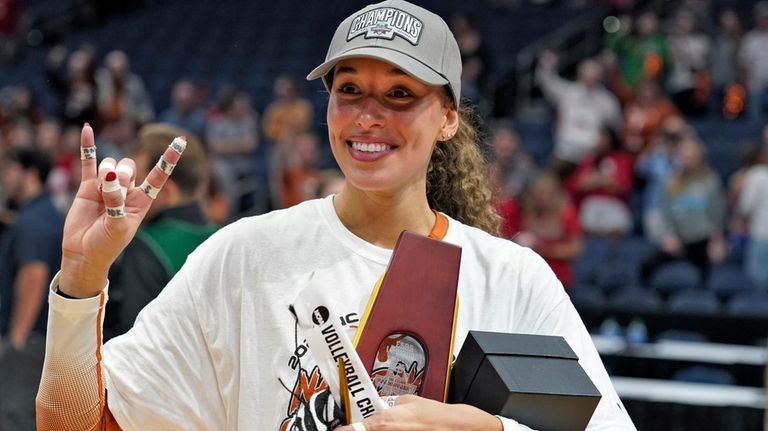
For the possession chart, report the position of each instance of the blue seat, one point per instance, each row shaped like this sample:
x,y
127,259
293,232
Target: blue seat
x,y
636,300
681,335
587,297
675,277
725,281
748,304
694,301
704,374
614,275
593,255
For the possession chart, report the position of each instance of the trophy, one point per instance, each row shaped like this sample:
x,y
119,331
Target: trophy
x,y
405,338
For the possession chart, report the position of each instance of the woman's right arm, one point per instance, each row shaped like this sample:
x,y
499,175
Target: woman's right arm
x,y
103,219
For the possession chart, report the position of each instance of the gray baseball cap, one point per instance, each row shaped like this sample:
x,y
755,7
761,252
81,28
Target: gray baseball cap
x,y
408,36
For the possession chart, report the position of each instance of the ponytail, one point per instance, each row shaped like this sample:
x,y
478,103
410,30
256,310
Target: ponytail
x,y
458,183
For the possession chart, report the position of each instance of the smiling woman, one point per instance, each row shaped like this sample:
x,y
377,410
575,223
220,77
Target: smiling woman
x,y
219,348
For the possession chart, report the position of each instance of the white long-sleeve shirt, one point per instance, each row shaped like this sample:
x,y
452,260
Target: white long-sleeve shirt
x,y
582,113
220,350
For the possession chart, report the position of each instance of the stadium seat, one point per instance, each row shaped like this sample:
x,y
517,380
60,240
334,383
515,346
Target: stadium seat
x,y
636,300
681,335
748,304
593,256
675,277
704,374
728,280
587,297
694,301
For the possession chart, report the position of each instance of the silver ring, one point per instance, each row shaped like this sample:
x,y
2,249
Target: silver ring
x,y
149,189
165,166
117,212
390,400
87,153
179,144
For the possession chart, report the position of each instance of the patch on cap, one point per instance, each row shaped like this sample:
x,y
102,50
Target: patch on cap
x,y
386,23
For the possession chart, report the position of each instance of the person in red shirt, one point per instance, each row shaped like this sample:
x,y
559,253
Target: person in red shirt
x,y
545,221
601,187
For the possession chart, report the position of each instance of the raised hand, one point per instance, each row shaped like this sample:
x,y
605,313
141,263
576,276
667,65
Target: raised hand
x,y
105,214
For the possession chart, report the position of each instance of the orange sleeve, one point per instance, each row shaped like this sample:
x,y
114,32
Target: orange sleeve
x,y
71,396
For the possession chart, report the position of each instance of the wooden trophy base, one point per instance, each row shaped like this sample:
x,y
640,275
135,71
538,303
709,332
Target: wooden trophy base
x,y
405,338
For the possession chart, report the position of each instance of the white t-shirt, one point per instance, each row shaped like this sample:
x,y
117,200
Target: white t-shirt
x,y
582,113
752,57
753,201
220,350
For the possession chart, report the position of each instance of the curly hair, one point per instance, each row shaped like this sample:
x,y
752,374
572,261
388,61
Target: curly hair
x,y
458,182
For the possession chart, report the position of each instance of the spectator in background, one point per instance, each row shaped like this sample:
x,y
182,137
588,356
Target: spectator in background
x,y
331,183
724,64
644,115
693,214
75,86
29,258
289,114
738,224
185,110
298,180
48,136
10,29
510,166
654,167
642,52
232,138
602,186
753,205
688,80
117,139
583,107
754,62
216,204
121,94
545,221
19,105
474,57
175,225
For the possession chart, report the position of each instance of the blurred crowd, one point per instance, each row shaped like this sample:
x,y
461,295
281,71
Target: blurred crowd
x,y
626,160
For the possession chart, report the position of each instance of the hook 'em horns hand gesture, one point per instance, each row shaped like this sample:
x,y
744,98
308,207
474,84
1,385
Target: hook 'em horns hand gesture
x,y
106,213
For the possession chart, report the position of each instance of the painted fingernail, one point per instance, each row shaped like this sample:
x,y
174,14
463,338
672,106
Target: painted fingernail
x,y
111,183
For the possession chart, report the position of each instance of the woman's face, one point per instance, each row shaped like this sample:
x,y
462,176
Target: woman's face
x,y
690,155
383,125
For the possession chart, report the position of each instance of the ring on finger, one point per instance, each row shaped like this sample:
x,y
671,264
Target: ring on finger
x,y
87,153
390,400
149,189
116,212
165,166
179,144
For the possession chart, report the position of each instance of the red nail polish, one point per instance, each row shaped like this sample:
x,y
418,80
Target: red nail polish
x,y
111,176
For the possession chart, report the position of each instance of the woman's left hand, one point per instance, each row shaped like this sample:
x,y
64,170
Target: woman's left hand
x,y
412,413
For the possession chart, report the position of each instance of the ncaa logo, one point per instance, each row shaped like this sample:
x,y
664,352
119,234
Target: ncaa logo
x,y
320,315
386,23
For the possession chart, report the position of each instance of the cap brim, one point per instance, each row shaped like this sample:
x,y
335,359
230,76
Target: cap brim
x,y
402,61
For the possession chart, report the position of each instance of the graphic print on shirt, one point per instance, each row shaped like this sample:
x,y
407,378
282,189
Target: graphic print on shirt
x,y
399,366
311,406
